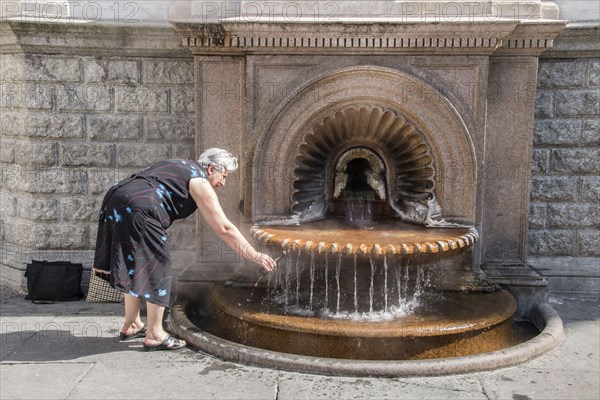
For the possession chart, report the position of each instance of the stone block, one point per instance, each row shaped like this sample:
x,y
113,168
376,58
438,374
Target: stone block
x,y
61,237
552,242
100,179
63,126
12,123
180,128
575,160
573,215
590,188
86,154
99,70
168,72
11,70
185,151
544,104
182,99
540,160
123,71
37,208
140,155
553,188
19,95
80,209
49,236
52,180
7,151
10,173
537,215
8,204
142,99
36,153
114,127
557,132
38,96
590,132
89,97
589,243
562,74
577,103
95,70
43,68
42,125
594,74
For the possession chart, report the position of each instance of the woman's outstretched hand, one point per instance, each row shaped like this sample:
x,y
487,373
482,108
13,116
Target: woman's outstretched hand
x,y
265,261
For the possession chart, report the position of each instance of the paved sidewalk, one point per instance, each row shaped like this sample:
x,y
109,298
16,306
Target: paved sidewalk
x,y
70,351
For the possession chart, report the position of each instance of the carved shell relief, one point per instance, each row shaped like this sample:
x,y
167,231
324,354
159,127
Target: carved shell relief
x,y
395,157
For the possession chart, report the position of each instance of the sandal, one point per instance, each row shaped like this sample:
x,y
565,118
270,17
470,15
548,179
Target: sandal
x,y
139,334
168,343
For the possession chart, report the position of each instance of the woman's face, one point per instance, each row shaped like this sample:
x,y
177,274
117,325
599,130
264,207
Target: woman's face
x,y
215,178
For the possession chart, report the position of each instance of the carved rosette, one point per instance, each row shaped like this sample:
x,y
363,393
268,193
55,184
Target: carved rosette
x,y
409,164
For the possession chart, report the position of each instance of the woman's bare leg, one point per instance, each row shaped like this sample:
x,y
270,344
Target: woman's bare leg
x,y
155,334
133,322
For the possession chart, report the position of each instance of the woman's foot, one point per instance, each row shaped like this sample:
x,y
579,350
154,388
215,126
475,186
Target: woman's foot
x,y
133,330
168,343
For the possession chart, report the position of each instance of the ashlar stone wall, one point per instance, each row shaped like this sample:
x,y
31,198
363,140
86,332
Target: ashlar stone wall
x,y
564,224
76,122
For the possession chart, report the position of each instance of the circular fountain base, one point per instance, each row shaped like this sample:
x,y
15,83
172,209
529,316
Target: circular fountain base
x,y
544,317
458,324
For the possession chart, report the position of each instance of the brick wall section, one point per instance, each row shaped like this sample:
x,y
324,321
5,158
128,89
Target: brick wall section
x,y
73,125
565,191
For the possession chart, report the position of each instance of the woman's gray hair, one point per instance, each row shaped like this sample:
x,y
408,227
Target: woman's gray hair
x,y
221,159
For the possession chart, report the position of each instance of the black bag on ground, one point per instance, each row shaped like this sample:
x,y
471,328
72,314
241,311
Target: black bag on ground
x,y
50,281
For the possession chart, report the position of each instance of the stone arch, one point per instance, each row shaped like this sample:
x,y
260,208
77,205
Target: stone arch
x,y
432,115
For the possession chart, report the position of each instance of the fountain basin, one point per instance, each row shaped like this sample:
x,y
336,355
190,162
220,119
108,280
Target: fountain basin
x,y
544,317
385,237
456,324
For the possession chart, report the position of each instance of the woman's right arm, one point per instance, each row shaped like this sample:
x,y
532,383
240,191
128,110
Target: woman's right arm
x,y
208,203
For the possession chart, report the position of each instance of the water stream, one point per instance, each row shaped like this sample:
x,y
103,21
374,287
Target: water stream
x,y
363,287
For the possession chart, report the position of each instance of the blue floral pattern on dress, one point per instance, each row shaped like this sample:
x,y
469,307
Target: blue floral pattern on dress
x,y
132,239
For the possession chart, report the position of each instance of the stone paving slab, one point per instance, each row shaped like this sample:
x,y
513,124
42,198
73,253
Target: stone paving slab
x,y
176,380
15,332
538,383
40,381
292,387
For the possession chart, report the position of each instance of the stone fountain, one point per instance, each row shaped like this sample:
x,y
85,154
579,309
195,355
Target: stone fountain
x,y
385,157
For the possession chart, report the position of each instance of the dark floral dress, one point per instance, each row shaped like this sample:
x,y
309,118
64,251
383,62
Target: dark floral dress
x,y
132,242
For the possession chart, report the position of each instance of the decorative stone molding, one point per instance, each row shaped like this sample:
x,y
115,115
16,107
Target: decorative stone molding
x,y
531,38
361,36
370,37
579,40
89,39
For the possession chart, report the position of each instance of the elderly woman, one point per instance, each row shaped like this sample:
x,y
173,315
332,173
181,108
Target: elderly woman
x,y
132,244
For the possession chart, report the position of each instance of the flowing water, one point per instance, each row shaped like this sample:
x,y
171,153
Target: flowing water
x,y
366,288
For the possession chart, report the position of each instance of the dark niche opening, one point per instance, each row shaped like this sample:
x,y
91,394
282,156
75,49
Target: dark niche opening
x,y
359,186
